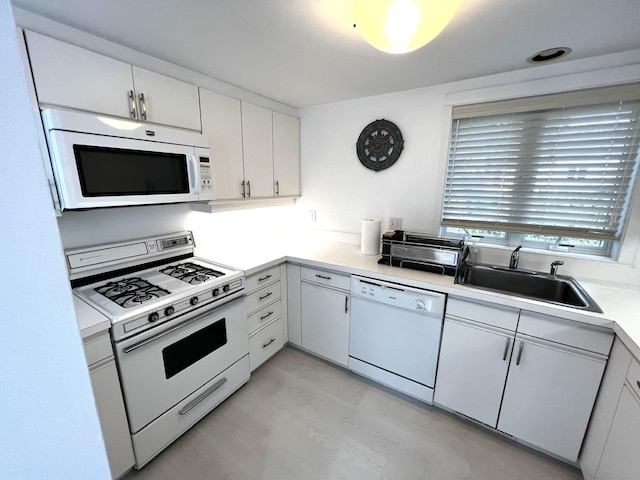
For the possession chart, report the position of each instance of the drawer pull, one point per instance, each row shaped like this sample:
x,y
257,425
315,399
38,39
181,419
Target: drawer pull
x,y
638,383
265,296
265,345
266,277
266,316
204,395
324,277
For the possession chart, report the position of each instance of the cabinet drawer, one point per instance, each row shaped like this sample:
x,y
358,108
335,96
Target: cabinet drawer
x,y
260,279
263,297
566,332
488,313
264,316
97,347
265,343
633,376
324,277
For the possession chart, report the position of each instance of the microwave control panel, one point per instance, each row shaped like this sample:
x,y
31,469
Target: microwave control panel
x,y
206,179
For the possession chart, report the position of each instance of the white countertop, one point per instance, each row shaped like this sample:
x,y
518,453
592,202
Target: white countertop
x,y
620,303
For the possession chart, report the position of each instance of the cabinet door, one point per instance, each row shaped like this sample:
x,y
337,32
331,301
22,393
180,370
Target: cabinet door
x,y
167,101
472,370
70,76
325,322
549,395
621,457
222,124
113,420
257,145
286,155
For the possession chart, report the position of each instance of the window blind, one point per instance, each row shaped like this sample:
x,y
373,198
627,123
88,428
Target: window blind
x,y
558,170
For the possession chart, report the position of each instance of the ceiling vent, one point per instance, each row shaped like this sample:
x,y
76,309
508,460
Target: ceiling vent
x,y
549,54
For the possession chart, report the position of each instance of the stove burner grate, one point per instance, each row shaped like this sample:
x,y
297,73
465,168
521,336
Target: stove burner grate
x,y
131,292
191,273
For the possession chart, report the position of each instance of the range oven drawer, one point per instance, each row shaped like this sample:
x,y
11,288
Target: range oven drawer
x,y
152,439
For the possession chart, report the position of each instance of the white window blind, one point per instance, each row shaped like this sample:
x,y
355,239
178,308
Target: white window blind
x,y
551,165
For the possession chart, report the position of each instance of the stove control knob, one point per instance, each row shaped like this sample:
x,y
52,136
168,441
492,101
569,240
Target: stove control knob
x,y
226,288
194,301
154,317
216,292
169,310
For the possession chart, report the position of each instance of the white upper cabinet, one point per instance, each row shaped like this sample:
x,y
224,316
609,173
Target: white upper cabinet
x,y
165,100
222,124
286,155
69,76
257,145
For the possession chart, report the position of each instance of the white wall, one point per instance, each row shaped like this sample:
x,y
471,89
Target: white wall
x,y
48,422
342,191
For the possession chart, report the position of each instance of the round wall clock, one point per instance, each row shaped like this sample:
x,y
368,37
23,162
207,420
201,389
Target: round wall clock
x,y
379,145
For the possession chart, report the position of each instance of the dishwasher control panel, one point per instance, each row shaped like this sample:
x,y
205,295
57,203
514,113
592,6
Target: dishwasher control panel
x,y
398,295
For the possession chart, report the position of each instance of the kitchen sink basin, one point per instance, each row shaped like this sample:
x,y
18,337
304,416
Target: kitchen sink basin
x,y
557,289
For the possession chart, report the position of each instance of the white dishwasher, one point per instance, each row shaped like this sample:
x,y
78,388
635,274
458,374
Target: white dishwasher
x,y
395,335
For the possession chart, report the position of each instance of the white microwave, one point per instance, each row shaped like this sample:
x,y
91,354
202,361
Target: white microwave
x,y
105,162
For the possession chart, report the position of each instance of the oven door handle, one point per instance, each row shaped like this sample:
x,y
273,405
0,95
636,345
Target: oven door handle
x,y
204,395
155,337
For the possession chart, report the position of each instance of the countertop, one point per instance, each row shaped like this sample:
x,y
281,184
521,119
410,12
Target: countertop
x,y
620,303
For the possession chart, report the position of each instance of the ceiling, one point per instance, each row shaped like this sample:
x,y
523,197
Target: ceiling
x,y
307,52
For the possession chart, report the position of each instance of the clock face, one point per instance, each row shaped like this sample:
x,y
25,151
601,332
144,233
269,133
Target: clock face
x,y
379,145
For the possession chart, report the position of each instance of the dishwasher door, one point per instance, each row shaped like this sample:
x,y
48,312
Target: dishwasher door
x,y
395,335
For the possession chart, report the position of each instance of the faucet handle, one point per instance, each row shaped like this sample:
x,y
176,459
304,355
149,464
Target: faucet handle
x,y
555,265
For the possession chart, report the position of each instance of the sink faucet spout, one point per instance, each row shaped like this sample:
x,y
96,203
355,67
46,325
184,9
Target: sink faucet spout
x,y
515,256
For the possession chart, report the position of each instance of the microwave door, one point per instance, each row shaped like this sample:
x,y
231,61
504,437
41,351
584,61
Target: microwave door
x,y
95,171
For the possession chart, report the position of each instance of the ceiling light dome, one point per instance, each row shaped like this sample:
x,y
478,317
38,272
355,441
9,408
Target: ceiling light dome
x,y
401,26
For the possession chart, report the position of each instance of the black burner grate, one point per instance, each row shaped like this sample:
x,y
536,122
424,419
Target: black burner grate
x,y
131,292
191,273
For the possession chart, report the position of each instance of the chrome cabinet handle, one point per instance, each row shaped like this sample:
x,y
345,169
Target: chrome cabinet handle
x,y
506,349
277,188
266,277
265,345
266,316
132,105
143,107
519,353
249,188
323,277
204,395
346,304
244,194
265,296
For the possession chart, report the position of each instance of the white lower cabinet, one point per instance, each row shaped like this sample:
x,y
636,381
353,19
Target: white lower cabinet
x,y
549,395
266,314
621,456
325,313
532,376
474,359
109,403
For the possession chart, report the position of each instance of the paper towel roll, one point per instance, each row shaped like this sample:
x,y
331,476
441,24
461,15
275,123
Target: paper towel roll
x,y
370,236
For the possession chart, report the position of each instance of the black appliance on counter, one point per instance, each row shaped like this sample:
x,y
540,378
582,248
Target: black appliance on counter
x,y
420,251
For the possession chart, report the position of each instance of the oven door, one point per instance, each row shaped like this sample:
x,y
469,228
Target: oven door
x,y
160,367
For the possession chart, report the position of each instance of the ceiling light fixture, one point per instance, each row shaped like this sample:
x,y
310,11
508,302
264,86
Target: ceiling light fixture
x,y
401,26
549,54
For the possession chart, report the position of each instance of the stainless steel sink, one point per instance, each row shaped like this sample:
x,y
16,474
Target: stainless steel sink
x,y
557,289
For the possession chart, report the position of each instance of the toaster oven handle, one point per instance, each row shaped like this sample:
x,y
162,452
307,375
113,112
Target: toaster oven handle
x,y
194,173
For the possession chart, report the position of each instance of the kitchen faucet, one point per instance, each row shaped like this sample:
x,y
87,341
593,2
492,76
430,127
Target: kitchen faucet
x,y
515,256
554,267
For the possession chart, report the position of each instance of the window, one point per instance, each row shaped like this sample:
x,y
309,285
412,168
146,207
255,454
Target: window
x,y
553,170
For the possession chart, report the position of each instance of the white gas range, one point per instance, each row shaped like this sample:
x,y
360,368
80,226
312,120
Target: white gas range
x,y
178,328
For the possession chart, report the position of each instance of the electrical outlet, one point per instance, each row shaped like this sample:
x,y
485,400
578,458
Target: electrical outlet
x,y
395,223
312,216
